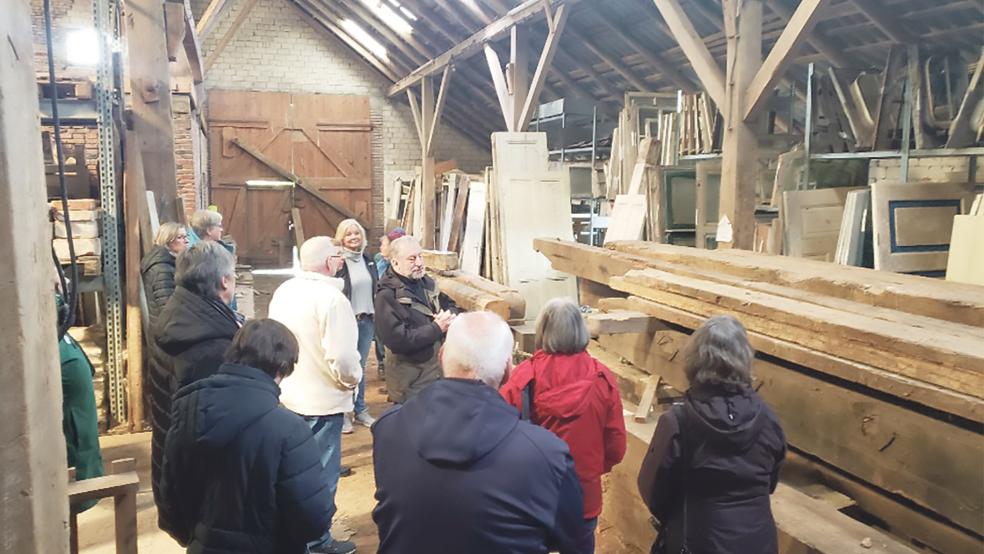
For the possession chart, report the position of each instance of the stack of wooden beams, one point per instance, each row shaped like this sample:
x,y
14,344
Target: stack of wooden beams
x,y
84,218
877,376
471,292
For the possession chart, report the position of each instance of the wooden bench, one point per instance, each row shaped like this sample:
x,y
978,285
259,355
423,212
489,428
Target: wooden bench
x,y
122,484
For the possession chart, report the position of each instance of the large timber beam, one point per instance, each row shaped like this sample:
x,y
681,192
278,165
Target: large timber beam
x,y
530,10
209,17
33,491
819,41
700,58
885,21
781,55
229,34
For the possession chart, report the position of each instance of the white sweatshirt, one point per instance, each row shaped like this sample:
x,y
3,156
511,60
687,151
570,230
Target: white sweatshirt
x,y
313,307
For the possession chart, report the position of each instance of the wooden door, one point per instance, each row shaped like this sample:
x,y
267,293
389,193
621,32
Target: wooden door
x,y
316,146
812,221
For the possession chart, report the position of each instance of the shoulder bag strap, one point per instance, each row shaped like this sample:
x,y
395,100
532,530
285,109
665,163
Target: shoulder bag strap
x,y
685,459
526,414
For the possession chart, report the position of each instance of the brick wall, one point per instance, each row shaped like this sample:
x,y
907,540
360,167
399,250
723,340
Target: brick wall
x,y
184,153
275,49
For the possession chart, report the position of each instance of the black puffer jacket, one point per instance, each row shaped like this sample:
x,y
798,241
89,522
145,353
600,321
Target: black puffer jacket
x,y
157,269
241,474
721,452
191,337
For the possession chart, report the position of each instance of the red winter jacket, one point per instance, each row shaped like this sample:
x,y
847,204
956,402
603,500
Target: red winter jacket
x,y
575,396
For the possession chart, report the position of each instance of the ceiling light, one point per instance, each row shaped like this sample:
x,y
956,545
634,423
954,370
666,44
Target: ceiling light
x,y
82,47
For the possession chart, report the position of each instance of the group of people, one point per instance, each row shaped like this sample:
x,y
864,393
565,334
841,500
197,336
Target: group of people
x,y
475,455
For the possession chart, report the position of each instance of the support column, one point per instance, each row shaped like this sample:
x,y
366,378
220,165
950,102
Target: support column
x,y
428,198
33,490
739,160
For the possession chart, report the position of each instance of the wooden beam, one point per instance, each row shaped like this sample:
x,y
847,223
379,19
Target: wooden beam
x,y
781,55
428,189
531,10
415,111
438,108
518,71
501,89
739,159
229,34
150,83
542,67
707,69
134,196
638,82
817,40
963,131
211,14
174,25
618,322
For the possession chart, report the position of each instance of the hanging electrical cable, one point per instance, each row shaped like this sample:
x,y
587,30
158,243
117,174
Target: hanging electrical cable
x,y
69,294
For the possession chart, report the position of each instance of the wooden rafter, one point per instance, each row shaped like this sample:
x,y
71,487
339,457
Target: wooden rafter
x,y
885,21
781,55
211,14
543,65
706,67
528,11
611,61
818,40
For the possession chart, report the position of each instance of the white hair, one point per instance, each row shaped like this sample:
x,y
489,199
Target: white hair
x,y
479,346
560,329
315,251
396,247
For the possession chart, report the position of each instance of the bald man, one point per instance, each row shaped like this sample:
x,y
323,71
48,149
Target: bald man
x,y
456,469
328,369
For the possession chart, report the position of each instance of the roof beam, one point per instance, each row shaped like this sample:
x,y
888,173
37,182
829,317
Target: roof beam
x,y
638,82
885,21
781,55
706,67
815,38
229,34
209,17
542,66
665,68
530,10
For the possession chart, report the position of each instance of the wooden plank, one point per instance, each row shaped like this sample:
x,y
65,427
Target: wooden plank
x,y
134,195
528,11
501,89
471,243
647,157
229,34
469,298
707,69
916,295
641,414
618,322
442,92
458,219
812,222
912,223
886,116
886,445
448,202
797,29
965,263
207,21
851,238
299,237
628,218
440,260
935,358
516,301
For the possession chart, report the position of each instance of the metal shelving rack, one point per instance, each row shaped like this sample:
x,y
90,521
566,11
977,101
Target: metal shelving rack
x,y
105,19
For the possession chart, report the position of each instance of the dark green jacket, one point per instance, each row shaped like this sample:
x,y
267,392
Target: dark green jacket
x,y
79,421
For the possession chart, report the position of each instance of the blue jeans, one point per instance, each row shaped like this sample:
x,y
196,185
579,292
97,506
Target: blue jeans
x,y
327,432
367,331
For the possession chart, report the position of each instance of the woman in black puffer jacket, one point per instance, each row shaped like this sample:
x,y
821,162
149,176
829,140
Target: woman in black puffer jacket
x,y
157,267
714,460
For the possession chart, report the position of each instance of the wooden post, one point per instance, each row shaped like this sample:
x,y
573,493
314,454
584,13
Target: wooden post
x,y
739,160
428,187
150,80
34,517
134,193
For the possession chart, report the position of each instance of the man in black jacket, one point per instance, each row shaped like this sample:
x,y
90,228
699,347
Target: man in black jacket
x,y
241,473
456,469
191,336
411,318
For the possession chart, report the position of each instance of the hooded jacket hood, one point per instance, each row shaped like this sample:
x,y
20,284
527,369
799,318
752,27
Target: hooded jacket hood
x,y
730,420
570,384
473,420
189,319
228,402
158,255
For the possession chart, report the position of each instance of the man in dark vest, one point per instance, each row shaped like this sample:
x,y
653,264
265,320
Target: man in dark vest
x,y
412,317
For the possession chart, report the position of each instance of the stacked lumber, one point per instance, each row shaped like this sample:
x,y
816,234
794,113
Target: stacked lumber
x,y
879,376
473,293
84,220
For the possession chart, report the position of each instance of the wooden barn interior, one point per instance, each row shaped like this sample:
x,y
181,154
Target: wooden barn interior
x,y
812,167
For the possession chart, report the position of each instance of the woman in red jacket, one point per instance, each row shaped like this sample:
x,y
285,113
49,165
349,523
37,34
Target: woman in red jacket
x,y
565,390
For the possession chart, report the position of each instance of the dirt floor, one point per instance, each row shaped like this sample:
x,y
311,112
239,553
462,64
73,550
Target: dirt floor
x,y
355,499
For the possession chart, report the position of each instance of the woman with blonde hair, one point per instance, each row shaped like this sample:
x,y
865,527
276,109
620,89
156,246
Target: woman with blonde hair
x,y
157,267
565,390
359,276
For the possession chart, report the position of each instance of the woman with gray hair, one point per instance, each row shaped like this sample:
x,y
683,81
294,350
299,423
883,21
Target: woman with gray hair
x,y
714,459
565,390
157,267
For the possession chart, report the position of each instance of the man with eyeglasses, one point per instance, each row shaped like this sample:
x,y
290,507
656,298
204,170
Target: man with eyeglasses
x,y
412,317
328,369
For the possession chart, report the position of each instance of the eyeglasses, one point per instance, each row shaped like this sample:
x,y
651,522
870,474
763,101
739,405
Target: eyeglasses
x,y
181,237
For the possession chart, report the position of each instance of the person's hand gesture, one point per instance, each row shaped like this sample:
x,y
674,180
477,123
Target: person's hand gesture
x,y
444,319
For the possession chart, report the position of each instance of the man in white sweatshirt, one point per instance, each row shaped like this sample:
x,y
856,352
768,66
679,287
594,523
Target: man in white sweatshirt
x,y
328,369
